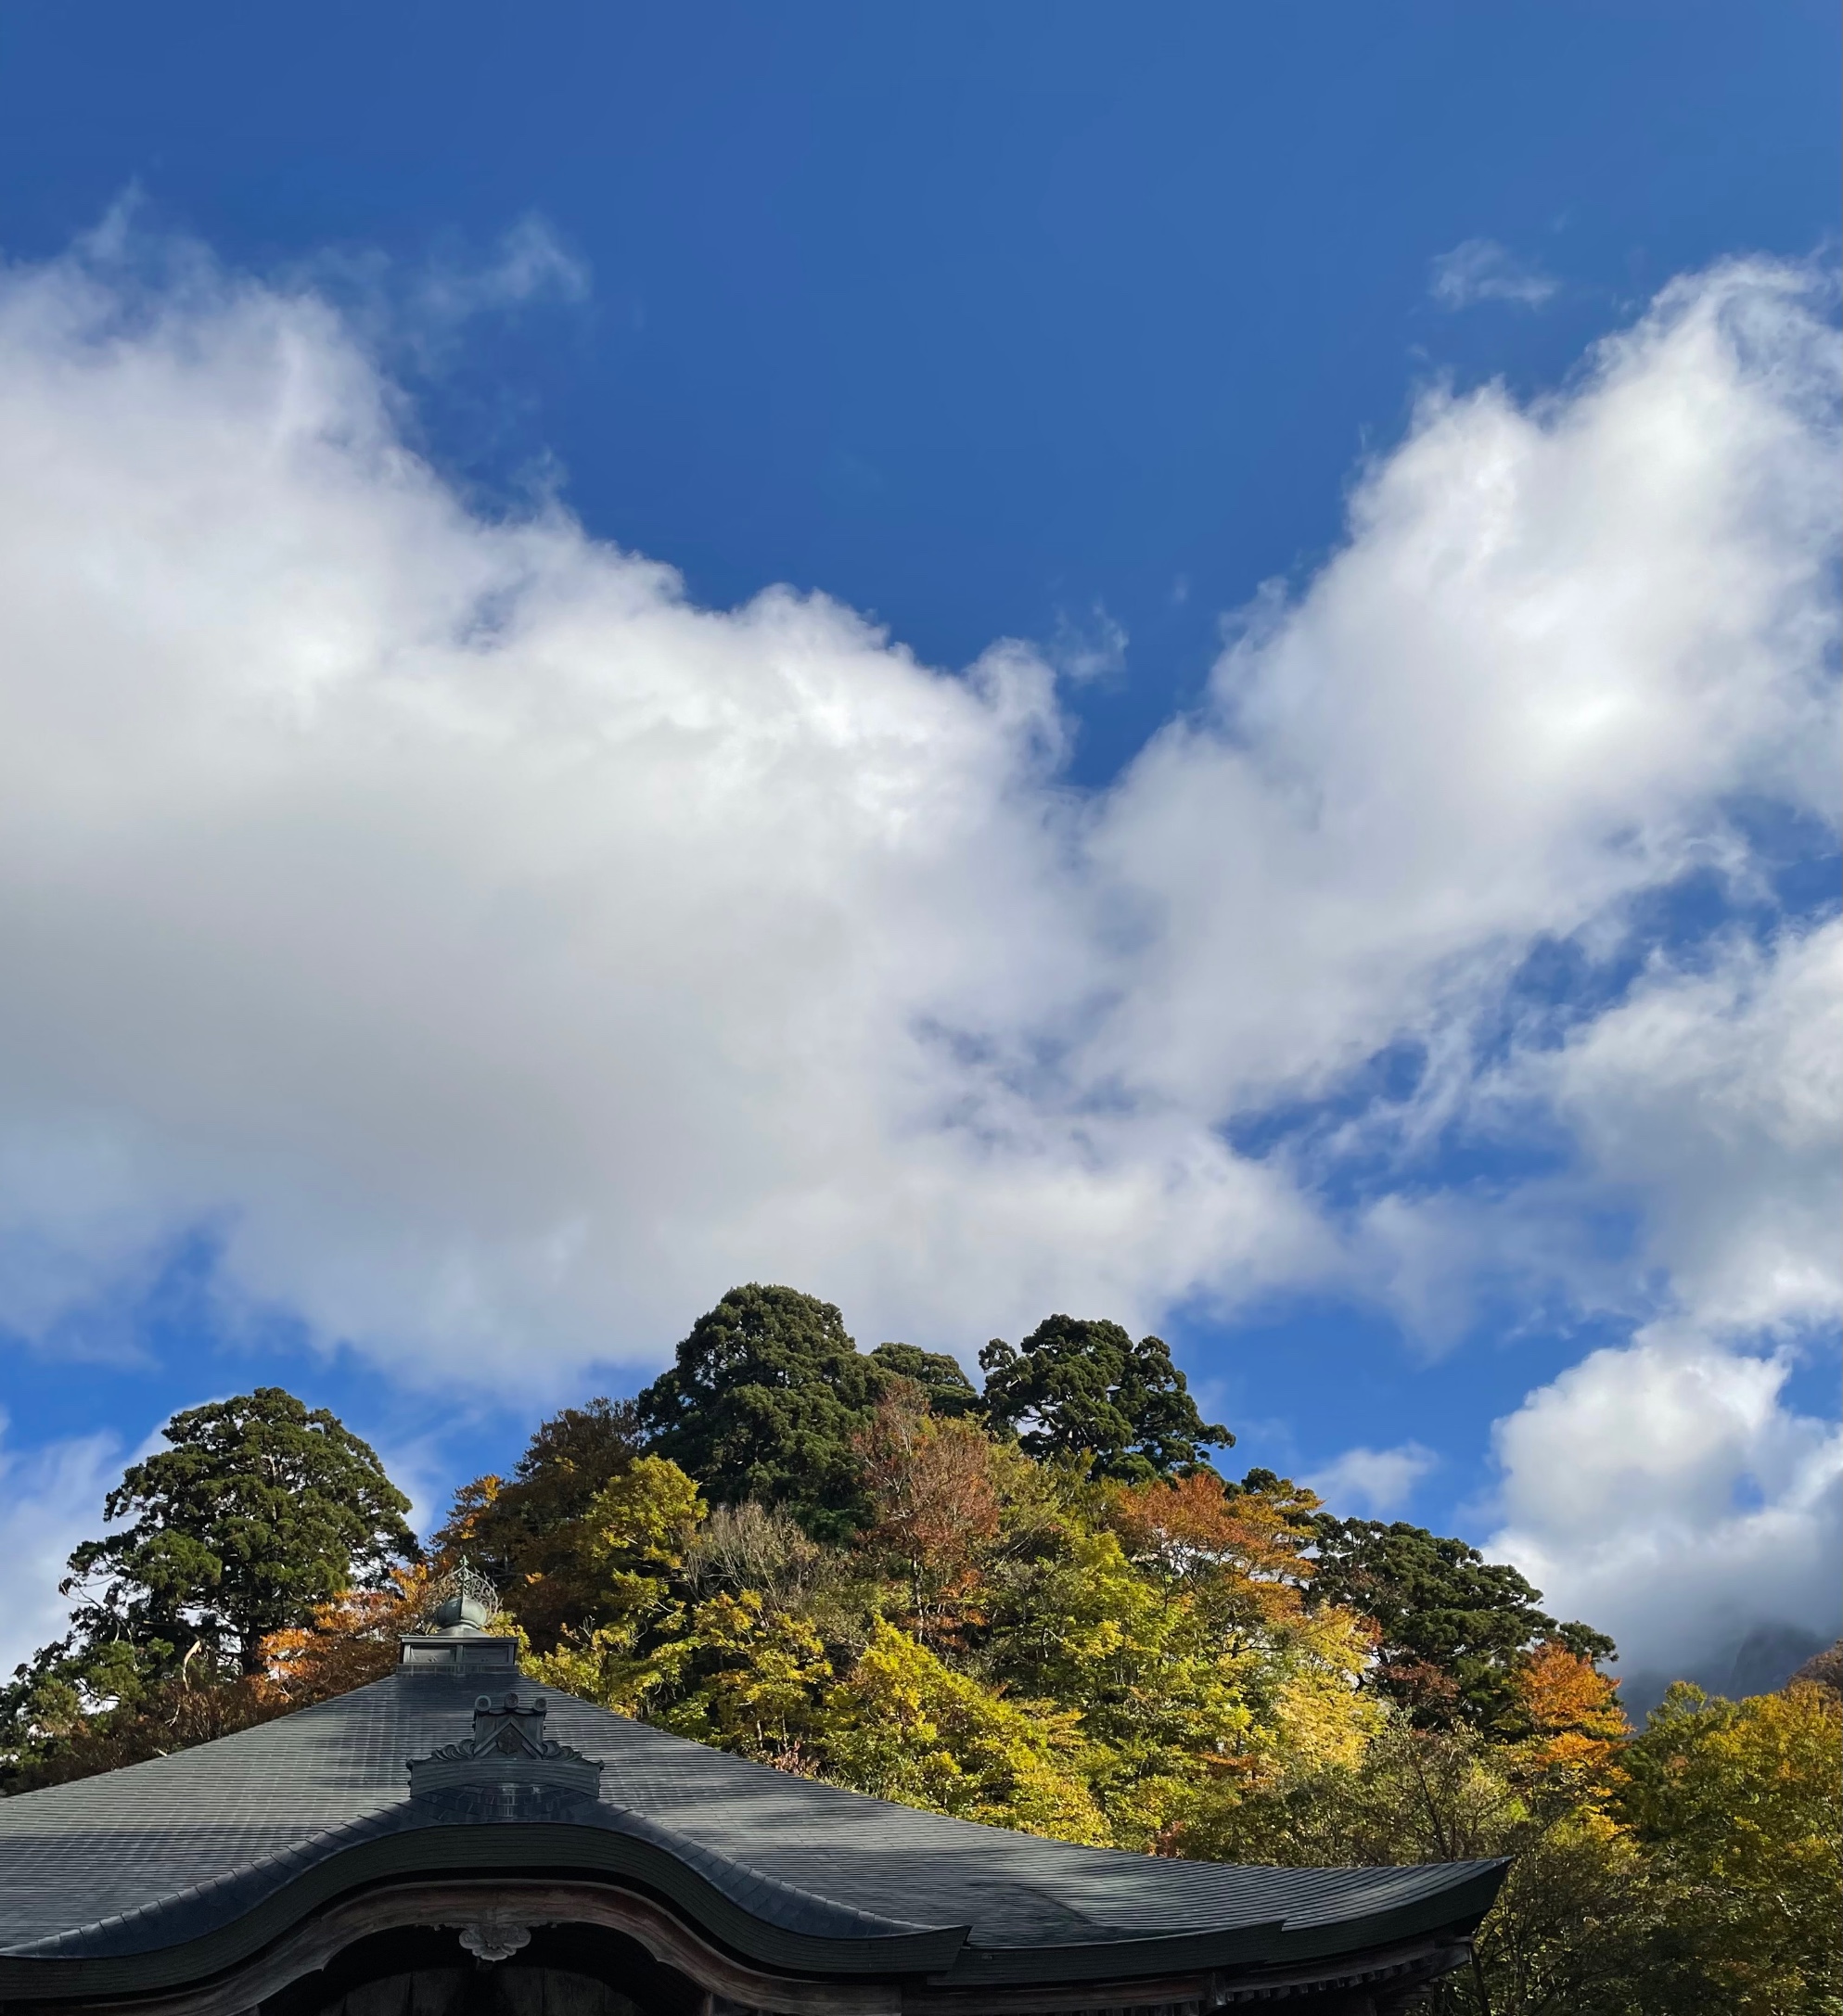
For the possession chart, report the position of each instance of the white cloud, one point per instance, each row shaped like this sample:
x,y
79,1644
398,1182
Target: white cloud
x,y
1481,270
50,1498
530,263
1702,1109
1376,1482
1711,1099
1665,1492
1665,1489
501,955
1090,650
495,948
1559,644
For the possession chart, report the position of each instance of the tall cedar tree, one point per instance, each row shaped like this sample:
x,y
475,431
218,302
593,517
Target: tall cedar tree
x,y
945,1387
763,1401
260,1510
1454,1627
1084,1387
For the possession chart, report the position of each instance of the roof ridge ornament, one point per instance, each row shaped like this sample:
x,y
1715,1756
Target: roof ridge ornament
x,y
506,1762
460,1603
515,1729
453,1635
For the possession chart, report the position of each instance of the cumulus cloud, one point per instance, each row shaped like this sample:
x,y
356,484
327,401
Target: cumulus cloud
x,y
490,945
493,951
1710,1098
1482,270
1376,1482
1559,644
1665,1487
1667,1492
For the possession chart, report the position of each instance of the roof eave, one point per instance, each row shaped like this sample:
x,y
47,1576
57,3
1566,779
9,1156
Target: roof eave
x,y
642,1882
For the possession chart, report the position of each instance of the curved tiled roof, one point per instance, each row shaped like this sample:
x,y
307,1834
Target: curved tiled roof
x,y
256,1829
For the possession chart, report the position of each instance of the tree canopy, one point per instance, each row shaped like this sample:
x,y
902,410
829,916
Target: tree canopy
x,y
260,1509
1454,1627
1082,1388
849,1564
762,1401
260,1517
527,1533
943,1385
768,1397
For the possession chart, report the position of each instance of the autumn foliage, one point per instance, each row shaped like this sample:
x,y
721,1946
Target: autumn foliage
x,y
882,1578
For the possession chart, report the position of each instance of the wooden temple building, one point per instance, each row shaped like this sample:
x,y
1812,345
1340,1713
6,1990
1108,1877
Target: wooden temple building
x,y
446,1841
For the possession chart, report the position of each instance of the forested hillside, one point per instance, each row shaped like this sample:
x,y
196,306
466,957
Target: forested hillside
x,y
1037,1604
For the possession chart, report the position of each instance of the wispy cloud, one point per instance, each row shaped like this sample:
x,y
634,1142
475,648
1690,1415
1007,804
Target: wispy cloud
x,y
1378,1482
530,263
50,1498
1090,648
1482,270
415,313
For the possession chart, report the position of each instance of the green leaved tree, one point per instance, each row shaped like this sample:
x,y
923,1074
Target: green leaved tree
x,y
1078,1387
762,1402
259,1510
1454,1627
261,1520
944,1388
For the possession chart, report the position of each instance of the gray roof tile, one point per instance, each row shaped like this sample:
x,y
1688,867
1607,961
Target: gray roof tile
x,y
162,1852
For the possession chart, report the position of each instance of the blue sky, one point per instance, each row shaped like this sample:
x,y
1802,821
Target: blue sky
x,y
1375,920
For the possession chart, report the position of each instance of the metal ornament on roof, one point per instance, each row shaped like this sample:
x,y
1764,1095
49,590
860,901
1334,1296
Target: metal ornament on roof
x,y
461,1601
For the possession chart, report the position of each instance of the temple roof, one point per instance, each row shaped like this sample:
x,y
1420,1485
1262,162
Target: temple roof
x,y
234,1839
